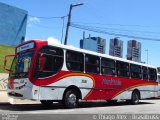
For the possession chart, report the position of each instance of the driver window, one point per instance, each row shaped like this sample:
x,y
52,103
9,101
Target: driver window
x,y
50,61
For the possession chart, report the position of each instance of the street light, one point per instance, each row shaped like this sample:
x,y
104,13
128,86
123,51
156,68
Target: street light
x,y
69,20
147,55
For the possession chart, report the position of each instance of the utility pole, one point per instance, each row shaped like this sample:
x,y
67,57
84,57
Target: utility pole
x,y
62,27
69,20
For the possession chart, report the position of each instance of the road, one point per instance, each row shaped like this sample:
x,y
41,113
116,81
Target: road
x,y
56,111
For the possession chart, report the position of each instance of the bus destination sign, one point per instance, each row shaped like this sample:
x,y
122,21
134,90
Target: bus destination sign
x,y
25,47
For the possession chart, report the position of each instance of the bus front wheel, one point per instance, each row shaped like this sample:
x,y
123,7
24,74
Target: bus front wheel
x,y
135,98
70,99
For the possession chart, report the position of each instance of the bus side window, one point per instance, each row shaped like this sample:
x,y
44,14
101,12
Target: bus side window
x,y
107,66
92,64
145,73
135,71
158,78
75,61
152,74
122,69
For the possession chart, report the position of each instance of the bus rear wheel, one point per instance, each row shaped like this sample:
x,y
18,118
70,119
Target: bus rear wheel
x,y
46,102
70,99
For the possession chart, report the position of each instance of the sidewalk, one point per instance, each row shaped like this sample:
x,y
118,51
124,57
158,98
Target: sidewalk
x,y
5,99
3,81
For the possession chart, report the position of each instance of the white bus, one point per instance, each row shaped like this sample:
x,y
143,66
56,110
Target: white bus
x,y
42,70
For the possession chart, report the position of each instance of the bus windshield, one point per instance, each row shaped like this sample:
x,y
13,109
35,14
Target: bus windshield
x,y
21,64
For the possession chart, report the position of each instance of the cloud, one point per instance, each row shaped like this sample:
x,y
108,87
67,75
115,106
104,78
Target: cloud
x,y
72,46
56,41
33,20
53,40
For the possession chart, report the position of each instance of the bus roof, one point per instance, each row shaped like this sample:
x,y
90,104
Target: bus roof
x,y
52,43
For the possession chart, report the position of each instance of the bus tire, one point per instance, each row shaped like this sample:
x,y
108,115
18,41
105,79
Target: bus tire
x,y
135,98
46,102
70,99
112,101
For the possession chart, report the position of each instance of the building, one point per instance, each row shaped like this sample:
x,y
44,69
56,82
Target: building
x,y
134,51
96,44
13,23
116,47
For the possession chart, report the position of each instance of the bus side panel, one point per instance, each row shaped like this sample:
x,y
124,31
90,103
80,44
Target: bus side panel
x,y
56,90
147,91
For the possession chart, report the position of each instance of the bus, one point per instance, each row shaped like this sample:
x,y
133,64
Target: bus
x,y
49,72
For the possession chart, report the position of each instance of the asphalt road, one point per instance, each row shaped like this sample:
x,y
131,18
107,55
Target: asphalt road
x,y
86,110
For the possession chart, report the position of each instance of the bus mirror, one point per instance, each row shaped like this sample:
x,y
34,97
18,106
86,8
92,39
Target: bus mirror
x,y
41,62
5,62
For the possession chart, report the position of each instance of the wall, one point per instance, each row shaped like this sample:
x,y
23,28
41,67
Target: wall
x,y
3,81
13,23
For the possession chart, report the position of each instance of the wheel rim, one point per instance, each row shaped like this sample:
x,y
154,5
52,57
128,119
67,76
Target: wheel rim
x,y
72,98
135,98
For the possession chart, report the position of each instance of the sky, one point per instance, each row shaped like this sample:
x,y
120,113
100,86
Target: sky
x,y
138,18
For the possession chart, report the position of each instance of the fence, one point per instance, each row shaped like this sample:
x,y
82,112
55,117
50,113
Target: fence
x,y
3,81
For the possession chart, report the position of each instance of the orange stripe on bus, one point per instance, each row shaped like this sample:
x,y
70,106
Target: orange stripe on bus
x,y
133,87
80,74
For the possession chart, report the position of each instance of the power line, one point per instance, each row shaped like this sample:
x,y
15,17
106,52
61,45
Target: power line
x,y
115,29
111,24
58,17
46,27
111,33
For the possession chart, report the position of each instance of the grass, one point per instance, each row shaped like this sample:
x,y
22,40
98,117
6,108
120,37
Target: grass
x,y
5,50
